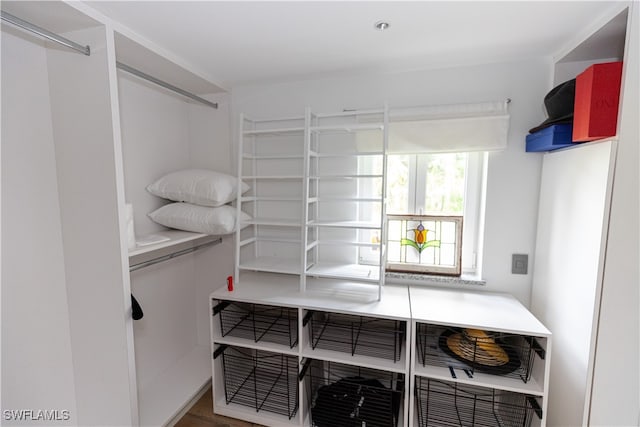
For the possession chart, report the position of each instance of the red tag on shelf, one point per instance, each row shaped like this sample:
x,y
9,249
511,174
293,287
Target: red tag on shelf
x,y
230,283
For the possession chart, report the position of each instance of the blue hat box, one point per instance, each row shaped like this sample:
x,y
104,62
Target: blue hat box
x,y
550,138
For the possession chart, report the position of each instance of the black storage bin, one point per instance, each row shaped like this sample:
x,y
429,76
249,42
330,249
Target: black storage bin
x,y
356,335
443,403
467,349
349,396
258,322
261,380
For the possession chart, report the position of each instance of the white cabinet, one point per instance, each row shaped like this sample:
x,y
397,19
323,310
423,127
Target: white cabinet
x,y
478,359
280,355
316,196
584,289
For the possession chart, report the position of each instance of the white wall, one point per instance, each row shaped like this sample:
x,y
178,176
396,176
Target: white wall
x,y
616,386
155,141
37,370
513,175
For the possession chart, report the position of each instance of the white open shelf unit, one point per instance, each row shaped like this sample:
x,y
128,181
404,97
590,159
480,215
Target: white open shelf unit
x,y
520,397
438,313
309,173
333,303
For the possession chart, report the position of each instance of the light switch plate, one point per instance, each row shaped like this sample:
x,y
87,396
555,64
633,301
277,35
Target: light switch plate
x,y
519,263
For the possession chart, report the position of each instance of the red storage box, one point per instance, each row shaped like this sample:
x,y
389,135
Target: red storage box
x,y
596,103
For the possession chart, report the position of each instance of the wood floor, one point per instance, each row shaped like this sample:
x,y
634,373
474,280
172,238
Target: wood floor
x,y
201,415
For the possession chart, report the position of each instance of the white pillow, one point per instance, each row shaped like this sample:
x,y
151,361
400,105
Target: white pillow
x,y
198,186
199,219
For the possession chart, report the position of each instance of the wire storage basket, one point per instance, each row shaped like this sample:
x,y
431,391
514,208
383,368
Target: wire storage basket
x,y
474,350
356,335
442,403
260,380
342,395
258,322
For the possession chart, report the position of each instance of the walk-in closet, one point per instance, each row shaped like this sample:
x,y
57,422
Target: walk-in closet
x,y
187,209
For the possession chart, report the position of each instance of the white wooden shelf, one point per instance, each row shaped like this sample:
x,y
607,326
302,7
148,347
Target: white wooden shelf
x,y
344,224
366,273
346,154
275,131
488,311
269,199
234,410
274,222
272,264
358,359
268,239
278,177
480,379
342,243
177,241
333,295
281,156
260,345
347,199
346,176
348,127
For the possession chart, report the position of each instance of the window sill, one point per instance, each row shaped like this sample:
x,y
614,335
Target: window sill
x,y
426,279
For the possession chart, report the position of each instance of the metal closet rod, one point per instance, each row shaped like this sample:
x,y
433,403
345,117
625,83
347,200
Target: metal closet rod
x,y
138,73
86,50
153,261
45,33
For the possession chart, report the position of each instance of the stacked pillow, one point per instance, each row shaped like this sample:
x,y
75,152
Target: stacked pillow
x,y
201,201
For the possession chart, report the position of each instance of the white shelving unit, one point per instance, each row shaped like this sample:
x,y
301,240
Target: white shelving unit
x,y
303,171
336,327
513,391
319,350
270,161
345,188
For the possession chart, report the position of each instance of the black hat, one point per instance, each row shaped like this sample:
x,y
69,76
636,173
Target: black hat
x,y
559,105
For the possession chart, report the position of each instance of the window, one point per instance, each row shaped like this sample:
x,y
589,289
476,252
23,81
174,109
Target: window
x,y
446,185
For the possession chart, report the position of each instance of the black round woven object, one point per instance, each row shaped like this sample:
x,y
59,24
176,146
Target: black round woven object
x,y
507,368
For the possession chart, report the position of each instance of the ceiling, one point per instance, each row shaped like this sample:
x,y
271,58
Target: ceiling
x,y
239,42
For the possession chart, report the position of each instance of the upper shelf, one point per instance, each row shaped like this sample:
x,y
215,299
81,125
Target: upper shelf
x,y
176,241
142,58
57,17
606,42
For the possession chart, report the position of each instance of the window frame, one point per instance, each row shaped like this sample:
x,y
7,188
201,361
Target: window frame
x,y
473,211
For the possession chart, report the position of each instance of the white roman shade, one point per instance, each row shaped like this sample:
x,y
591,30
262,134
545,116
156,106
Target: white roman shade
x,y
449,128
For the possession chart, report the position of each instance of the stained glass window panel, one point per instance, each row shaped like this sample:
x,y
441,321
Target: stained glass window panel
x,y
424,244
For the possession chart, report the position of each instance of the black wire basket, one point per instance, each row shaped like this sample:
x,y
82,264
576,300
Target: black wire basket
x,y
258,322
473,350
342,395
442,403
260,380
356,335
